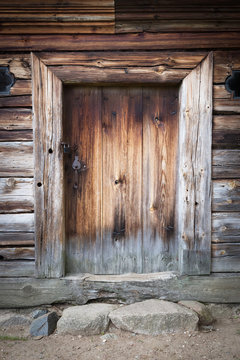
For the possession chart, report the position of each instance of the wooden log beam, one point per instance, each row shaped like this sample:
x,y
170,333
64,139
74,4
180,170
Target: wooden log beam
x,y
16,159
226,164
16,195
16,239
144,41
25,292
226,227
17,253
226,195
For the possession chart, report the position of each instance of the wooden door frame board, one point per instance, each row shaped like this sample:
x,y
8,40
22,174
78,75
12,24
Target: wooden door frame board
x,y
194,72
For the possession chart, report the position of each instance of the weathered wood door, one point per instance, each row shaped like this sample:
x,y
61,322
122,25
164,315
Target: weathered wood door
x,y
120,211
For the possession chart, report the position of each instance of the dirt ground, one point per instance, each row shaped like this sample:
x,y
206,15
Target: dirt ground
x,y
221,343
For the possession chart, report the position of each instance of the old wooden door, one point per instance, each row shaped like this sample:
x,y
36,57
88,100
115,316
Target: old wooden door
x,y
120,211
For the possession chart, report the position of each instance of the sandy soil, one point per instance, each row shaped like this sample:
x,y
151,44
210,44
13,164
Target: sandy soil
x,y
221,344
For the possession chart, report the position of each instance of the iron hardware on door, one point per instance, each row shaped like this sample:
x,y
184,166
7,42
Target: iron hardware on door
x,y
78,166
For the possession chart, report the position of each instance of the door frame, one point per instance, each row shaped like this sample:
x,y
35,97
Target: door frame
x,y
193,72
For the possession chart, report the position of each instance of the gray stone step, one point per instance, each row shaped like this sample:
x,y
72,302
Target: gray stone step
x,y
89,319
153,317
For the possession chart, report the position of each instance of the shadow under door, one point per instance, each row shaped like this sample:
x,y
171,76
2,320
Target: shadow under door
x,y
120,203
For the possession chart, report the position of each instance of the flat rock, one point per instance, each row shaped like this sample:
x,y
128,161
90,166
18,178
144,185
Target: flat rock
x,y
89,319
44,325
153,317
11,318
204,314
39,312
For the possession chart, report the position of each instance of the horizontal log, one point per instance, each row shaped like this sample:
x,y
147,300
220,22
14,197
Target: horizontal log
x,y
224,63
226,123
16,239
16,269
184,24
15,119
17,253
16,195
26,292
226,164
16,222
16,135
19,64
220,92
226,131
226,264
21,87
158,74
225,249
16,101
226,195
213,40
226,227
172,60
16,159
226,106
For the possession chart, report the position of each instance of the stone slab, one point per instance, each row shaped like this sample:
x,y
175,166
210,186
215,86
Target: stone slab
x,y
154,317
204,314
89,319
44,325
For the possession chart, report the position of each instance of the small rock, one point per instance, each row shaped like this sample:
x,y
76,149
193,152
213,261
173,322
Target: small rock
x,y
223,311
108,337
153,317
44,325
207,328
89,319
205,316
39,312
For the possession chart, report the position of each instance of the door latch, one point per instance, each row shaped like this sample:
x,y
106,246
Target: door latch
x,y
78,166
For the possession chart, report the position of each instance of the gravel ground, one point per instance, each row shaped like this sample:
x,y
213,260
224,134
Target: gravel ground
x,y
223,343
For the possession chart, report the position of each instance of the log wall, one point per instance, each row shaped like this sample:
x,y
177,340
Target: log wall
x,y
16,147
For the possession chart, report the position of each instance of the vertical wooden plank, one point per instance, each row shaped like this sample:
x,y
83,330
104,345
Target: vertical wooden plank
x,y
160,133
122,180
47,126
82,127
194,183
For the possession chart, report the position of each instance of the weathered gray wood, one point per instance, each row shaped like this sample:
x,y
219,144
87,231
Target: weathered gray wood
x,y
16,222
226,164
16,269
17,253
194,179
15,119
224,63
225,106
226,227
226,264
25,292
16,239
226,195
16,195
49,197
16,159
16,135
19,64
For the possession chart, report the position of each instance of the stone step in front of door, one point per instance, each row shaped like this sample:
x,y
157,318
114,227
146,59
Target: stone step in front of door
x,y
150,317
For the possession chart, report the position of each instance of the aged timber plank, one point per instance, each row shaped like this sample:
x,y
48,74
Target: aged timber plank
x,y
16,135
194,181
16,239
21,87
150,41
84,74
122,180
15,119
226,195
226,164
19,64
222,106
160,134
105,59
226,131
17,253
17,223
82,108
224,63
226,227
16,269
16,159
49,196
16,101
16,195
25,292
226,264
